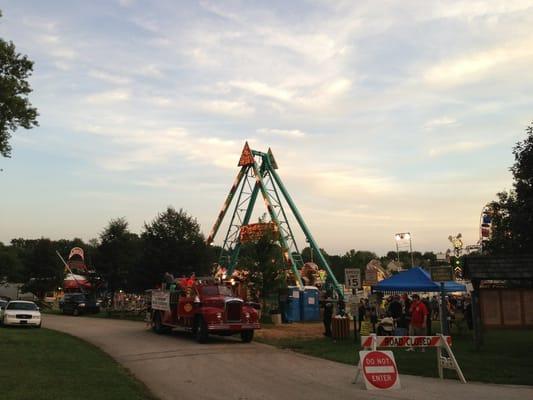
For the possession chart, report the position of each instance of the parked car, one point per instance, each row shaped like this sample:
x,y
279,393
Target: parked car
x,y
79,303
3,304
20,312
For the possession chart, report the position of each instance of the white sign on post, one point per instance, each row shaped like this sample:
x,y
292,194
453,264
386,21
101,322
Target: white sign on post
x,y
160,300
352,278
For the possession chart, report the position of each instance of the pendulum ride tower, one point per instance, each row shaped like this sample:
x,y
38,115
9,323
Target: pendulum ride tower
x,y
258,176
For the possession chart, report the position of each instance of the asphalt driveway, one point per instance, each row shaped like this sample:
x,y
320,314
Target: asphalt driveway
x,y
176,367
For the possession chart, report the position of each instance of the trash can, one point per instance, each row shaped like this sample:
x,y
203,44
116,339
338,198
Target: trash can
x,y
340,327
276,318
292,309
310,304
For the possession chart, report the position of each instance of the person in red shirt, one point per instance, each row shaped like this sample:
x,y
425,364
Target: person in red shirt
x,y
419,314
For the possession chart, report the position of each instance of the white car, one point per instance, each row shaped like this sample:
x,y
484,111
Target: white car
x,y
19,312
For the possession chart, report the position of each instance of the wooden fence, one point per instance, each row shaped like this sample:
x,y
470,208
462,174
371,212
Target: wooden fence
x,y
506,308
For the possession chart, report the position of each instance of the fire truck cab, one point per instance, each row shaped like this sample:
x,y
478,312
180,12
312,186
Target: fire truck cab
x,y
203,308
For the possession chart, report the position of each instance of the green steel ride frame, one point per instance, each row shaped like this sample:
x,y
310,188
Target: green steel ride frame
x,y
258,175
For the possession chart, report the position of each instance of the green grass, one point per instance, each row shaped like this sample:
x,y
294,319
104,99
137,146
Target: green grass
x,y
505,358
48,365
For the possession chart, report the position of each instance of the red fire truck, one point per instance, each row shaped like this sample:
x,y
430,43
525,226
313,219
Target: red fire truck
x,y
203,308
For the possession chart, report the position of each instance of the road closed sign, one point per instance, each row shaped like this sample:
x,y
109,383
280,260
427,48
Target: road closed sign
x,y
379,370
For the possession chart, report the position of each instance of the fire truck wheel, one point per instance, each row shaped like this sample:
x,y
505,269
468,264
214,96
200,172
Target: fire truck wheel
x,y
200,330
247,336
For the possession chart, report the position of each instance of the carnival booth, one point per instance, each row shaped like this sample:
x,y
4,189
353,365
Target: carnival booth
x,y
415,280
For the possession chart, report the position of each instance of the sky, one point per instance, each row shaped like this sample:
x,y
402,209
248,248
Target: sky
x,y
384,117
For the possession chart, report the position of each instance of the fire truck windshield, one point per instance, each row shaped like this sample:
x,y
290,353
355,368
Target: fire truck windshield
x,y
216,291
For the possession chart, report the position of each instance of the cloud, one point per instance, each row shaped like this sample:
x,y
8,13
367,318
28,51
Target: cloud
x,y
151,70
64,53
109,77
39,23
110,96
459,147
288,133
440,122
262,89
219,11
477,65
471,9
132,148
126,3
337,87
347,182
162,95
227,107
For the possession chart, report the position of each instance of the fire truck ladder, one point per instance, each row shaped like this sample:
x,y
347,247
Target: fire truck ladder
x,y
258,175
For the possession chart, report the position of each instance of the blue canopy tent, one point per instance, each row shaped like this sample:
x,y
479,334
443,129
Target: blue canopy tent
x,y
415,280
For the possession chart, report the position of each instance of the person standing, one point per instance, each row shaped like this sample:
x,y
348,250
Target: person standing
x,y
419,315
425,301
328,313
468,313
361,310
434,308
395,308
406,302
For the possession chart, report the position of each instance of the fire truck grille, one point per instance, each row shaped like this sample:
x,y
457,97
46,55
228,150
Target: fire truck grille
x,y
233,311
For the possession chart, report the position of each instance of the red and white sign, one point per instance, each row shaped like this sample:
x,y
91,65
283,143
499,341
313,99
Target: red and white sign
x,y
379,370
404,341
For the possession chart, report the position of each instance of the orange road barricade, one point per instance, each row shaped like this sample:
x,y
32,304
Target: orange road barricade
x,y
340,327
445,359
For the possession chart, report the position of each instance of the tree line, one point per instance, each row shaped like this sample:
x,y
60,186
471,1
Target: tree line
x,y
125,260
171,242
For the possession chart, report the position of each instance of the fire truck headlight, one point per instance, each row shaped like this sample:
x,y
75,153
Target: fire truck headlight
x,y
219,315
247,315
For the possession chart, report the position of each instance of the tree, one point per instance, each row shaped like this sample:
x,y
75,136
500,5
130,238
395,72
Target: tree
x,y
264,261
173,243
15,108
118,255
42,270
512,221
10,265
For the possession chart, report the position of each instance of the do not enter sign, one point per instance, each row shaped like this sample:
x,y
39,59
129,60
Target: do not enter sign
x,y
379,370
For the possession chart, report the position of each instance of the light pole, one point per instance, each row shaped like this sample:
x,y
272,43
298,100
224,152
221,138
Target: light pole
x,y
399,237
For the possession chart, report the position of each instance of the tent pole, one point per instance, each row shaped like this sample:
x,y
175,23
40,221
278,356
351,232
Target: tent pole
x,y
443,311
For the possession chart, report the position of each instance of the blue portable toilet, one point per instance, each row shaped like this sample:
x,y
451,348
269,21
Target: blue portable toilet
x,y
293,304
310,304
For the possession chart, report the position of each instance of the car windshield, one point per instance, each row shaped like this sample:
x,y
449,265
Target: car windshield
x,y
21,306
216,291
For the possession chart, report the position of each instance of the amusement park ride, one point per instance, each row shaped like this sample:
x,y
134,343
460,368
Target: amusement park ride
x,y
258,176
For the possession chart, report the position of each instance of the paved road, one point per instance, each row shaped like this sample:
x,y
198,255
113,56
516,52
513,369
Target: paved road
x,y
176,367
